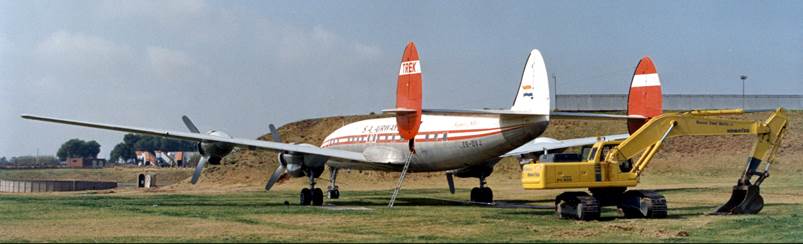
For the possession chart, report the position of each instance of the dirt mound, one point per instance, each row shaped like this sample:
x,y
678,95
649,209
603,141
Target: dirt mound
x,y
680,155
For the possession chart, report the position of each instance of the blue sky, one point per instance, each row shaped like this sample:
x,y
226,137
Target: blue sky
x,y
239,65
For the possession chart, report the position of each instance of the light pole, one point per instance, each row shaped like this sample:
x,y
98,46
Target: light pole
x,y
743,77
555,89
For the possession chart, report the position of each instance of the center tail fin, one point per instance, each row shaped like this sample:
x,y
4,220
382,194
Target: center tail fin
x,y
534,94
408,93
645,98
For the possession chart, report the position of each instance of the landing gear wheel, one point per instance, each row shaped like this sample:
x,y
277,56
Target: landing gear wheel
x,y
483,195
317,197
334,194
488,195
306,197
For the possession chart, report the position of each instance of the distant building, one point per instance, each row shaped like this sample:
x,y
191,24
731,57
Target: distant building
x,y
145,158
85,162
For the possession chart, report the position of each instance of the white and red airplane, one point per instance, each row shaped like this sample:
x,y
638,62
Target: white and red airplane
x,y
463,143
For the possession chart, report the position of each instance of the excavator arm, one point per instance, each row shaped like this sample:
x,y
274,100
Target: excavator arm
x,y
648,140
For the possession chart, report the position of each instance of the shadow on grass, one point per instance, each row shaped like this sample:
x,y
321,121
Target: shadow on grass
x,y
429,201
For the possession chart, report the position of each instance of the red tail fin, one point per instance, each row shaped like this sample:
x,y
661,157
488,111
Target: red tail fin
x,y
645,96
408,93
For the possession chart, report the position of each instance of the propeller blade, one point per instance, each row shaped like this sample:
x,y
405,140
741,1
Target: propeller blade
x,y
274,133
450,179
275,177
198,169
189,124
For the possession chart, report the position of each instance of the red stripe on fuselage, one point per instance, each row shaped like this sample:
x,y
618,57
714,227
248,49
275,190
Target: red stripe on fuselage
x,y
439,136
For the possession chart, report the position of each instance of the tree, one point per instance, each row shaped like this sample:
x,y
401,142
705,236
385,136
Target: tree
x,y
91,149
122,151
131,139
71,148
78,148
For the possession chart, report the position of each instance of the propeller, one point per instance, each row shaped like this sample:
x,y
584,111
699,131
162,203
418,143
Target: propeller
x,y
280,170
190,125
200,167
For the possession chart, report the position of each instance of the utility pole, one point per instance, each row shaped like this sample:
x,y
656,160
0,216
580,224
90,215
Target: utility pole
x,y
743,77
555,89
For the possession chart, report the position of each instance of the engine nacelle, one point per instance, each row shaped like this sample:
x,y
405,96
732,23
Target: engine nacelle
x,y
215,150
300,165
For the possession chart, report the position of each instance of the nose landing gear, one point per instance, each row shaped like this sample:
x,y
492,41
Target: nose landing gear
x,y
482,194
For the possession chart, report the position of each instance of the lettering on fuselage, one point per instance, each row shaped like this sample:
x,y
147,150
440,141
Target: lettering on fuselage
x,y
471,144
370,129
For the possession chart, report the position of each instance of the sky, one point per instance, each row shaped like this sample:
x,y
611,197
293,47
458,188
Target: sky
x,y
237,66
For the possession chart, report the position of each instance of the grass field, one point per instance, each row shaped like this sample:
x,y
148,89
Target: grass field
x,y
423,214
228,205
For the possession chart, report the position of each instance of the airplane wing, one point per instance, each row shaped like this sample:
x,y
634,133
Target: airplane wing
x,y
250,143
542,143
555,115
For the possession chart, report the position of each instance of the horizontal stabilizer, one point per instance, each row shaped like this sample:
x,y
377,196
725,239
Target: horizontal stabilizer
x,y
545,144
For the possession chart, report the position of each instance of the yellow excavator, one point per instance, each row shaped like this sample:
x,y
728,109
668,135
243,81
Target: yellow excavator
x,y
610,167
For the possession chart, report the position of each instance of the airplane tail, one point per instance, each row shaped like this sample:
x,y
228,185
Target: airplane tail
x,y
408,93
534,94
645,98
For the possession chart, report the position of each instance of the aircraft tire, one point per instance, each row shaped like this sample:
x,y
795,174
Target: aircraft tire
x,y
305,197
317,197
334,194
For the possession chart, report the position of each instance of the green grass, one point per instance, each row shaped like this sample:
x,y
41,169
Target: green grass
x,y
421,215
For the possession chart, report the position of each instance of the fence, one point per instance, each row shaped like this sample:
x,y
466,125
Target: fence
x,y
618,102
48,186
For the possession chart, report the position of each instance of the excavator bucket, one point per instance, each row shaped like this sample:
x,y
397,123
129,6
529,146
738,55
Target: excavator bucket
x,y
744,200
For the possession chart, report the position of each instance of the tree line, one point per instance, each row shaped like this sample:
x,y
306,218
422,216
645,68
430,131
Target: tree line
x,y
30,161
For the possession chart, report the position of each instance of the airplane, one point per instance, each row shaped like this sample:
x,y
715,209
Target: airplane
x,y
459,142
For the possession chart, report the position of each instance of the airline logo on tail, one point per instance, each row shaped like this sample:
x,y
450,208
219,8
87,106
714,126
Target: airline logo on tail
x,y
527,91
410,67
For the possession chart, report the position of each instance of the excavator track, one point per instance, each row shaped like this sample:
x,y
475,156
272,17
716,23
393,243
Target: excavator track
x,y
643,204
577,205
657,204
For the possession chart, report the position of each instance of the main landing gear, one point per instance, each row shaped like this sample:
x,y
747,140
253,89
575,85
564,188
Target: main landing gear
x,y
334,193
311,195
633,203
482,194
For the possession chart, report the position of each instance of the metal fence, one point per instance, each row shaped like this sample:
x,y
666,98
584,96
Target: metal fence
x,y
618,102
47,186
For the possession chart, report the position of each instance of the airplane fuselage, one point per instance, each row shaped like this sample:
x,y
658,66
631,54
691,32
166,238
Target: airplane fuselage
x,y
444,142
